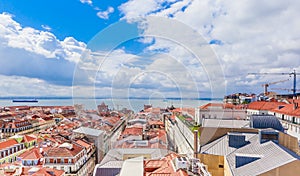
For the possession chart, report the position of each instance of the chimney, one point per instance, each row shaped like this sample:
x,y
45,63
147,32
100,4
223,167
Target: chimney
x,y
195,143
295,105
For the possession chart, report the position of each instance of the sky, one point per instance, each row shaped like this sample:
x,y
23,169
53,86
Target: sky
x,y
147,48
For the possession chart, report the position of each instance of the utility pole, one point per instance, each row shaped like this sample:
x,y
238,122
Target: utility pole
x,y
295,79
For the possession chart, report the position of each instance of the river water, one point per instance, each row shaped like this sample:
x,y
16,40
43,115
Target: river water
x,y
133,104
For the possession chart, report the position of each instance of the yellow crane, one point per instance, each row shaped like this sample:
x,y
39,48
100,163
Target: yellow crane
x,y
294,74
266,85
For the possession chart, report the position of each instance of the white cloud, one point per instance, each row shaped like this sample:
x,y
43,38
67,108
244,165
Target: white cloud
x,y
33,54
24,86
134,9
43,43
105,14
89,2
256,35
46,27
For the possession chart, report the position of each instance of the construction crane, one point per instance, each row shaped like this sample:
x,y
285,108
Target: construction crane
x,y
294,74
266,85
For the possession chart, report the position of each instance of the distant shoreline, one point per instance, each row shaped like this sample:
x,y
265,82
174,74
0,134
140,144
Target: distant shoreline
x,y
137,98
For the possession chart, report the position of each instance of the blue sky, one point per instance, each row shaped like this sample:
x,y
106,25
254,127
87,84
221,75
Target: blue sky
x,y
65,18
107,48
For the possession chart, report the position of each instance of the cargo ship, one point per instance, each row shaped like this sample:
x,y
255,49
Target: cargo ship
x,y
24,100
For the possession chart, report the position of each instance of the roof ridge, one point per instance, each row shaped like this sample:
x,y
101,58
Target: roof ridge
x,y
219,140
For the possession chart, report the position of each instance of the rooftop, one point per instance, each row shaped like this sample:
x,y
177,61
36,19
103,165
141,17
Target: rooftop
x,y
225,123
265,121
8,143
264,105
88,131
133,164
64,151
262,157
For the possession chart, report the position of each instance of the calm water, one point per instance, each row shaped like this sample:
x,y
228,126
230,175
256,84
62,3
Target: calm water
x,y
134,104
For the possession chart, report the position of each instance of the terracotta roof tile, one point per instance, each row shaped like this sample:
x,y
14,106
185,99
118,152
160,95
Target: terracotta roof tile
x,y
263,105
8,143
163,167
28,138
133,131
32,154
48,171
83,143
64,152
288,109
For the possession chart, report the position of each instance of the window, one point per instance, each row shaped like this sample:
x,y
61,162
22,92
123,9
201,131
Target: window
x,y
221,166
293,119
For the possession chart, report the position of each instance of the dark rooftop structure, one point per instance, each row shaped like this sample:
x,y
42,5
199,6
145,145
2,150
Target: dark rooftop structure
x,y
265,121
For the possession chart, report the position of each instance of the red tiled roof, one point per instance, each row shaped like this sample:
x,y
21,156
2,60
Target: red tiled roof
x,y
191,111
8,143
43,172
32,154
155,122
176,110
163,166
64,152
206,106
293,100
48,171
288,109
83,143
28,138
263,105
153,164
222,105
133,131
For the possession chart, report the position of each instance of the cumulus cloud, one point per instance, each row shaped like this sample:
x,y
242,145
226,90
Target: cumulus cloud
x,y
105,14
43,43
253,36
250,38
32,53
24,86
130,75
135,9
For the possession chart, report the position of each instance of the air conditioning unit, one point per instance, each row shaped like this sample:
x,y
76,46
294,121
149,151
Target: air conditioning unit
x,y
181,163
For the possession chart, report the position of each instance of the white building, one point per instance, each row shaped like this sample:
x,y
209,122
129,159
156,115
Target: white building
x,y
220,111
288,113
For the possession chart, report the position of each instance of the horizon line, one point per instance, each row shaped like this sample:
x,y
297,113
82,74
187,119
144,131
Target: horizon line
x,y
69,97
